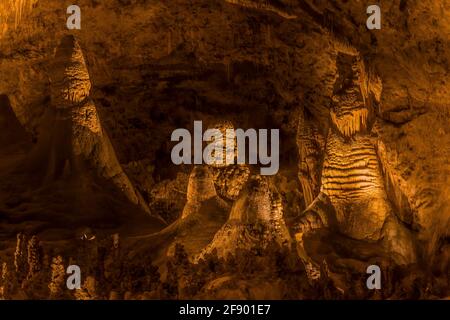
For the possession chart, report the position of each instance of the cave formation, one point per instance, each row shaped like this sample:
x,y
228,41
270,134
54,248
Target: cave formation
x,y
85,152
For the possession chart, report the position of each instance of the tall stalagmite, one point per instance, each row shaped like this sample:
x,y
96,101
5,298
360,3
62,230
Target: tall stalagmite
x,y
352,181
72,140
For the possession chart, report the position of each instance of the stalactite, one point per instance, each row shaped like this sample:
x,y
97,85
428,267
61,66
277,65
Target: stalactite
x,y
351,100
351,122
13,12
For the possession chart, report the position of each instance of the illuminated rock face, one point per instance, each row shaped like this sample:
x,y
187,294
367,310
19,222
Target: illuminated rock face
x,y
230,180
76,139
351,176
349,111
352,180
200,189
70,79
201,185
255,221
227,140
12,12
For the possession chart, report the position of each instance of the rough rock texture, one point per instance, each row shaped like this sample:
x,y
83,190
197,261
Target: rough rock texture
x,y
203,214
200,189
352,181
362,109
256,219
72,132
230,180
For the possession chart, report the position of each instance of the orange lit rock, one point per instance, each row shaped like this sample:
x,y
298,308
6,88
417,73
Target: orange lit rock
x,y
256,219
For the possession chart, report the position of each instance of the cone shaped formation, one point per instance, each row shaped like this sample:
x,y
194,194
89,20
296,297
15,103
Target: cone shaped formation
x,y
70,79
72,141
200,188
255,221
203,214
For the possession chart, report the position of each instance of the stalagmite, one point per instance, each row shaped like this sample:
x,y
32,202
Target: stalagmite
x,y
73,140
352,181
228,142
229,179
255,221
203,214
200,189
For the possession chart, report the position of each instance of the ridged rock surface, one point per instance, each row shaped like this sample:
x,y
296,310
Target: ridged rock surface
x,y
352,179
